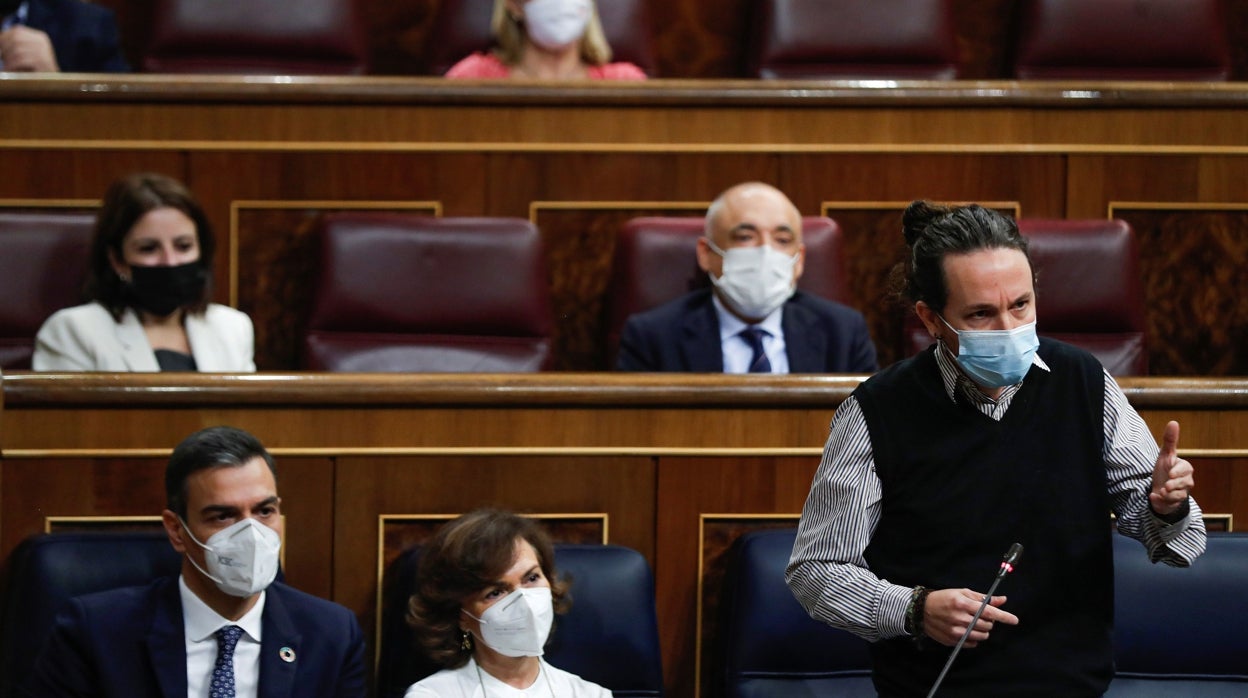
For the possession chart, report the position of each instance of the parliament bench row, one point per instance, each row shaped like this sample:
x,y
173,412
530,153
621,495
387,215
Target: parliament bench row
x,y
790,39
411,293
1176,631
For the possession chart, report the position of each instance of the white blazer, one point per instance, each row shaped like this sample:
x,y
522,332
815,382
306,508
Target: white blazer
x,y
86,338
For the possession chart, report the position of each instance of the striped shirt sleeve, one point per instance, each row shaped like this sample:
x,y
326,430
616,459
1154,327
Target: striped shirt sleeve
x,y
1130,454
829,575
827,572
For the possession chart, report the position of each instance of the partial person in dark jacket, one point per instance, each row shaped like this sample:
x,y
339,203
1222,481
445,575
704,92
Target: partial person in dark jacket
x,y
752,320
53,36
221,627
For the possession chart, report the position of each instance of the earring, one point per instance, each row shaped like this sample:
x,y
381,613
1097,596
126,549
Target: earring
x,y
465,641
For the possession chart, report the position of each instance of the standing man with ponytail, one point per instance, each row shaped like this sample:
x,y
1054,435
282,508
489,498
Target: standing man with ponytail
x,y
937,464
223,627
753,319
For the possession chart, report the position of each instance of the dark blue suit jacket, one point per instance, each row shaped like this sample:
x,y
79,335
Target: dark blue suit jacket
x,y
683,335
131,642
83,35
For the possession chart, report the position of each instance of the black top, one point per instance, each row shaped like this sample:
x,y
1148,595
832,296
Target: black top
x,y
170,360
960,487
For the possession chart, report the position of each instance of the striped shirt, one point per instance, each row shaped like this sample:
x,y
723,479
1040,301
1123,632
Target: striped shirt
x,y
828,572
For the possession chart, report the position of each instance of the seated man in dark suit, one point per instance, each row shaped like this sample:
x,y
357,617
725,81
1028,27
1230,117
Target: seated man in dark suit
x,y
223,627
51,36
753,320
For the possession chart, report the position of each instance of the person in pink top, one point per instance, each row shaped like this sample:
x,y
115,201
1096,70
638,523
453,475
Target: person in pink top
x,y
546,40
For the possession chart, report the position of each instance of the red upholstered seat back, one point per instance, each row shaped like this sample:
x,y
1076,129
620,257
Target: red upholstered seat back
x,y
1122,40
655,262
410,293
43,264
1088,291
310,37
853,39
462,27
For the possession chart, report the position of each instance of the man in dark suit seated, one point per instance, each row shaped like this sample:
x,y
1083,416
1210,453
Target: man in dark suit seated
x,y
223,627
51,36
753,320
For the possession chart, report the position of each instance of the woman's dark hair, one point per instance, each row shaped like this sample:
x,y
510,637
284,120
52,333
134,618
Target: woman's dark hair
x,y
126,201
933,232
467,556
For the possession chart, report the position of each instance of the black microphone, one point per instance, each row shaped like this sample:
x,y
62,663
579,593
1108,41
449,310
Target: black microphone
x,y
1010,559
1007,566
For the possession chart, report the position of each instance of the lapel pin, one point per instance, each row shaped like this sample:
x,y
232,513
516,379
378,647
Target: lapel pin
x,y
287,654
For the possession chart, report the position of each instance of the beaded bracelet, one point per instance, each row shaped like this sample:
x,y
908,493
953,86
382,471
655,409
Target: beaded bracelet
x,y
913,624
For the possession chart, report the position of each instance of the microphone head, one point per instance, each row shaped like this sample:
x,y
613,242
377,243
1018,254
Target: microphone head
x,y
1012,555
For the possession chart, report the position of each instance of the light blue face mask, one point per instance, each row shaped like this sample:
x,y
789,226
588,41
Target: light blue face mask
x,y
996,358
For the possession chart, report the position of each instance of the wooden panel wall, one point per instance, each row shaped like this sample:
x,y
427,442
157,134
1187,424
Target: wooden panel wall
x,y
266,159
676,467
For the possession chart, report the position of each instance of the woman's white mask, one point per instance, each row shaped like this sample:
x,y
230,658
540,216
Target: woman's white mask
x,y
557,24
518,624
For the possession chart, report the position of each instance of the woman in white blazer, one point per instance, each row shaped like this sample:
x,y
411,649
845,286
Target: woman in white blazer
x,y
150,280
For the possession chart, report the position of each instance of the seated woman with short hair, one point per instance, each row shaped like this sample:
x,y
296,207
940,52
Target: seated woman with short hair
x,y
546,40
150,280
485,601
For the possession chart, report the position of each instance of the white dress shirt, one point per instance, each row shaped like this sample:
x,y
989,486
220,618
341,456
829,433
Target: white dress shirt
x,y
737,351
202,623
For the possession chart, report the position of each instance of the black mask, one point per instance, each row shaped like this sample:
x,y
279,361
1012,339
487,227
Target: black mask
x,y
162,290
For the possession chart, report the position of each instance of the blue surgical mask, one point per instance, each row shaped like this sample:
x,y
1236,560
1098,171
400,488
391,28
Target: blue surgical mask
x,y
996,358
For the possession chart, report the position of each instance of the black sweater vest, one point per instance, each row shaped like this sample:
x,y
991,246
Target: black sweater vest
x,y
960,487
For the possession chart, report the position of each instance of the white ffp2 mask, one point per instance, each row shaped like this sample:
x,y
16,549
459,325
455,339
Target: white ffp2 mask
x,y
242,559
518,624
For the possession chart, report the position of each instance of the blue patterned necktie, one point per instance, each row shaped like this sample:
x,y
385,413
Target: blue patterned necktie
x,y
758,362
223,672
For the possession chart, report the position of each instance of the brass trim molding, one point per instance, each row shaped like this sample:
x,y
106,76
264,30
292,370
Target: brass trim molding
x,y
90,204
380,451
535,207
487,451
1197,206
50,522
1227,521
703,519
456,147
825,207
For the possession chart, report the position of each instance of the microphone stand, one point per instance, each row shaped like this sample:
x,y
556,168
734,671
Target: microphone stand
x,y
1007,566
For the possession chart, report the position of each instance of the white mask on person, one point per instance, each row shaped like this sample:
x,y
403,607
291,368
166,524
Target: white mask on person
x,y
755,280
242,559
518,624
556,24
